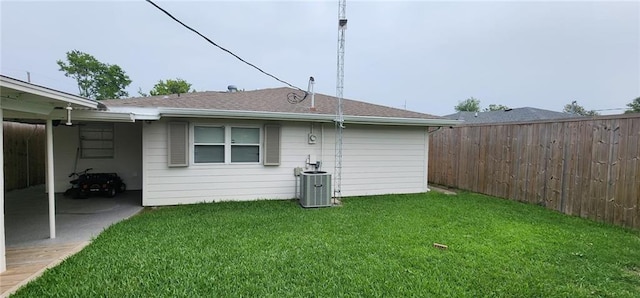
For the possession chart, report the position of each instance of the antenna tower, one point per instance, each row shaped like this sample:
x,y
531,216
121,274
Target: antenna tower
x,y
339,121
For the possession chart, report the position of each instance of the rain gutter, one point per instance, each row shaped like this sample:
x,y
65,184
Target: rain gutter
x,y
256,115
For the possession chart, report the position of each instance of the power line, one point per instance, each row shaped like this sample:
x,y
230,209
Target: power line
x,y
295,97
613,109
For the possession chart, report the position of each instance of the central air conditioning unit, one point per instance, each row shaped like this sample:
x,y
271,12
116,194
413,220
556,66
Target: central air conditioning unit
x,y
315,189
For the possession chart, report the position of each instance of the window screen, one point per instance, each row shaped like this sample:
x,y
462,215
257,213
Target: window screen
x,y
245,144
209,143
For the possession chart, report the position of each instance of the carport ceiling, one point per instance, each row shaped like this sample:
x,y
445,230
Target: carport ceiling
x,y
22,100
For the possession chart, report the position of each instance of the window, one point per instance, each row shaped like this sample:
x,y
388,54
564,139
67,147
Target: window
x,y
245,144
219,144
208,144
96,140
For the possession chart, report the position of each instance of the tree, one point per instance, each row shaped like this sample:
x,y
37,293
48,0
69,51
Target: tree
x,y
142,93
95,79
495,107
469,105
634,106
575,108
170,86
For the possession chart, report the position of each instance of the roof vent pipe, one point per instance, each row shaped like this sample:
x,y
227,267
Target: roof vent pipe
x,y
313,94
232,88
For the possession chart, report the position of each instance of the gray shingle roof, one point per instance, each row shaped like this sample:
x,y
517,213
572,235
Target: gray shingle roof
x,y
511,115
264,100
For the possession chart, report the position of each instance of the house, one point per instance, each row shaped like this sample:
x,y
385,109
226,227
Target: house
x,y
245,145
33,103
214,146
508,115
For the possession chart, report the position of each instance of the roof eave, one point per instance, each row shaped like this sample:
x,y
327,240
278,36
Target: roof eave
x,y
22,86
138,113
256,115
400,121
94,115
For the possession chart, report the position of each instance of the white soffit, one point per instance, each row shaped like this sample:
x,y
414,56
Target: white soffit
x,y
29,95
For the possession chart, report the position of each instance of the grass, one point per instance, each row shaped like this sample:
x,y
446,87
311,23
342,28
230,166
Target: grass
x,y
372,246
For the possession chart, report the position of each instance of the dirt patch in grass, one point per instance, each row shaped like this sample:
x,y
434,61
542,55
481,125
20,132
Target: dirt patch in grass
x,y
635,271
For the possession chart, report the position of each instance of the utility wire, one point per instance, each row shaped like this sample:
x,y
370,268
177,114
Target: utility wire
x,y
612,109
291,98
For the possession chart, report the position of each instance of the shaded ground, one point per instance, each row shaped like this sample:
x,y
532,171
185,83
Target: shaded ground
x,y
27,216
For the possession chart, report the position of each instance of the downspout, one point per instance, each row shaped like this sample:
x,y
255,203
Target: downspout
x,y
322,142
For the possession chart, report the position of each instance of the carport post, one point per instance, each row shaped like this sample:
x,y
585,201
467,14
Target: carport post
x,y
3,259
50,185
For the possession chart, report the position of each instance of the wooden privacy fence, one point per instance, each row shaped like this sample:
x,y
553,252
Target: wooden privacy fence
x,y
24,155
587,167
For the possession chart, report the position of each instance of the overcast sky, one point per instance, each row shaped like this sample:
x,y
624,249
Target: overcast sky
x,y
422,54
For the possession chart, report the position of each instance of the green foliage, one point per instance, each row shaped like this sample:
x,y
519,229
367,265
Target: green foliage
x,y
575,108
95,79
634,106
170,86
495,107
469,105
378,246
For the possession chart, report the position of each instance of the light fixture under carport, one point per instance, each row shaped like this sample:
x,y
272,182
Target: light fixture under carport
x,y
69,108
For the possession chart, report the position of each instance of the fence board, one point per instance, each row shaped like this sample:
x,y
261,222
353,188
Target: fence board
x,y
599,170
612,171
618,169
530,149
571,170
588,167
587,148
554,165
632,213
24,155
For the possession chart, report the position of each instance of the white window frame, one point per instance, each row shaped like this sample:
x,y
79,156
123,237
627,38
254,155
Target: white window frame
x,y
259,144
227,144
81,139
194,144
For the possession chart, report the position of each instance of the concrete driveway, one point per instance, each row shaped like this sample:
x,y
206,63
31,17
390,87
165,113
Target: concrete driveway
x,y
27,220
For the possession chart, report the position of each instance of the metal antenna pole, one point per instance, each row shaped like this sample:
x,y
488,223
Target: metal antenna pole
x,y
339,121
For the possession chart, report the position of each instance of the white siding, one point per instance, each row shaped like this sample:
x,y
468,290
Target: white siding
x,y
383,160
221,182
126,162
376,160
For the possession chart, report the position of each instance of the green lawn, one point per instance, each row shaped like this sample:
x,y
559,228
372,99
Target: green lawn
x,y
372,246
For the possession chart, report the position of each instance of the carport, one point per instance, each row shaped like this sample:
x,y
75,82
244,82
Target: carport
x,y
26,102
29,249
77,220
